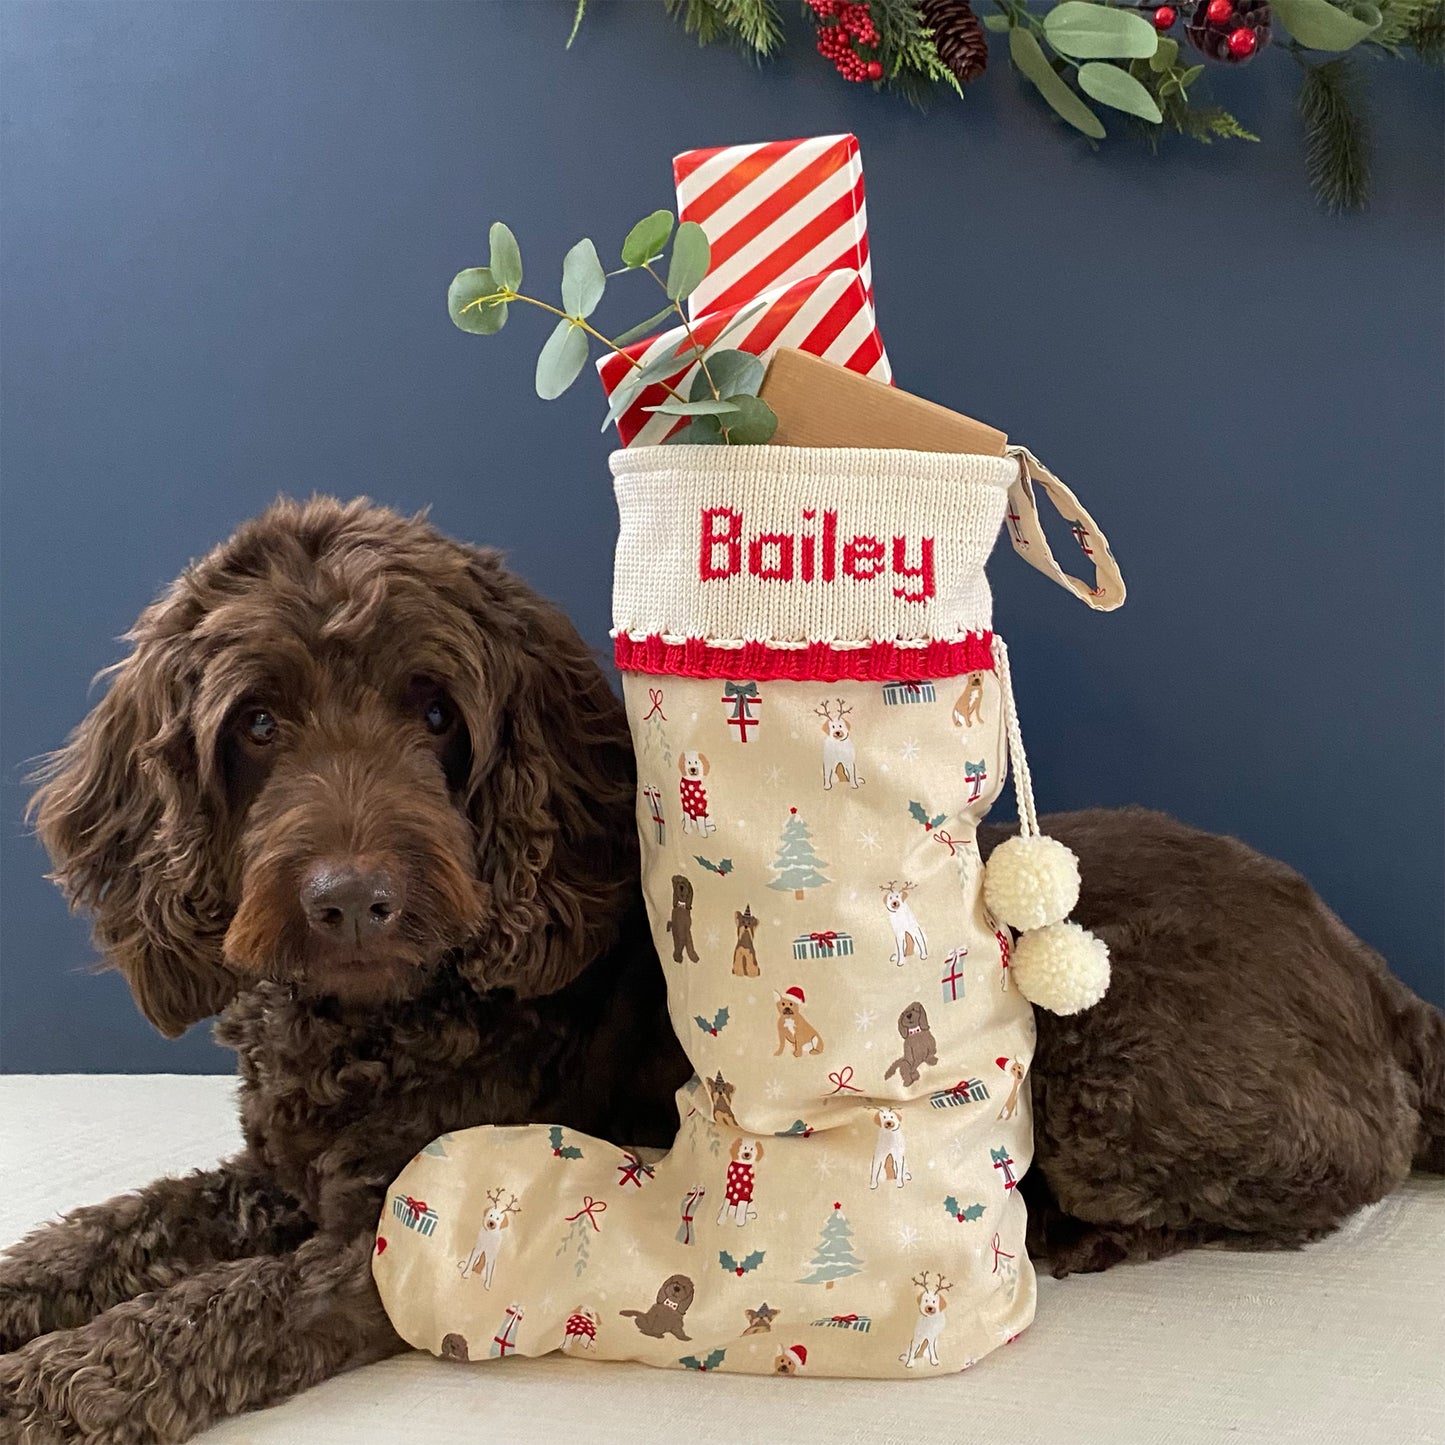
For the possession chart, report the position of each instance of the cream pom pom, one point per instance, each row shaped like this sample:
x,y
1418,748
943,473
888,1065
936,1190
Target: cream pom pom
x,y
1062,968
1031,882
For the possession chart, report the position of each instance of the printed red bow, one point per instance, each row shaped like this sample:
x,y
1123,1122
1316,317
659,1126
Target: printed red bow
x,y
828,939
591,1208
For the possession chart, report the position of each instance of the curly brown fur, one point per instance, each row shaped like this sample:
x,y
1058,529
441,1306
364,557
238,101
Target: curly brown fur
x,y
1254,1075
337,693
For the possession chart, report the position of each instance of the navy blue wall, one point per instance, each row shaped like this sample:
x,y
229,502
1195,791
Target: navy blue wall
x,y
228,232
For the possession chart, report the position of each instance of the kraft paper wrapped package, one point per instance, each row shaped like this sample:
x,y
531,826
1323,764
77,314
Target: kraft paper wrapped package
x,y
822,715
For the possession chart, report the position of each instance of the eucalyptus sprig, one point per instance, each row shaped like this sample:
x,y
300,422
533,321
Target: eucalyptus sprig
x,y
722,403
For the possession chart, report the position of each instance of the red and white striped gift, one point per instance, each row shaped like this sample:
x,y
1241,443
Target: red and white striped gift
x,y
829,316
774,213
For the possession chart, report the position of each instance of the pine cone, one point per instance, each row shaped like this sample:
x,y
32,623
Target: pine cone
x,y
958,36
1212,37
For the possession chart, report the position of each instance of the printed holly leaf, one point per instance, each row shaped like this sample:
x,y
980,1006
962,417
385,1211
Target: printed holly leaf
x,y
560,1150
722,869
709,1362
719,1022
963,1213
919,813
745,1266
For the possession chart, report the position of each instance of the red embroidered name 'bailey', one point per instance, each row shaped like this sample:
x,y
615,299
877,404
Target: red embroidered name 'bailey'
x,y
806,556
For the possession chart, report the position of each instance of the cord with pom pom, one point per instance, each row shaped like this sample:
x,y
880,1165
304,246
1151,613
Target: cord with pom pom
x,y
1031,884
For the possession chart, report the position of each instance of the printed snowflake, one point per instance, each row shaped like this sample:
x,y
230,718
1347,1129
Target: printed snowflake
x,y
773,1089
869,841
962,1149
781,1216
909,1238
864,1019
909,751
712,938
824,1166
773,776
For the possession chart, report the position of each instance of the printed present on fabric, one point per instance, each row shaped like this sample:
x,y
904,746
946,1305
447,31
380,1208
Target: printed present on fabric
x,y
774,213
823,943
414,1213
828,316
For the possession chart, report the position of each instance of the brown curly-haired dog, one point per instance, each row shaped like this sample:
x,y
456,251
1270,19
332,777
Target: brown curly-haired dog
x,y
1254,1075
361,790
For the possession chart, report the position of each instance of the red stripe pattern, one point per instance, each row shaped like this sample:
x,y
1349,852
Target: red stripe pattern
x,y
816,662
774,214
826,315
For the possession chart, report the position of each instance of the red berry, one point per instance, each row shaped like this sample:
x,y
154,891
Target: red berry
x,y
1164,17
1219,11
1242,42
875,70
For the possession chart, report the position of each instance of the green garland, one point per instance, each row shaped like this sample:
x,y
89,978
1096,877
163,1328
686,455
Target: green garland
x,y
1084,55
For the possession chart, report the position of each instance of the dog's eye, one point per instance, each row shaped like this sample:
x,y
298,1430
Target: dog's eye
x,y
438,716
259,726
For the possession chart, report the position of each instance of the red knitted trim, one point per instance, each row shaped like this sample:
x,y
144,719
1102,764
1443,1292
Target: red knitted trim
x,y
817,662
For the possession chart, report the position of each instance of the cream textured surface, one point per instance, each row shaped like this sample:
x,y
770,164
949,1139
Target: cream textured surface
x,y
1340,1344
874,545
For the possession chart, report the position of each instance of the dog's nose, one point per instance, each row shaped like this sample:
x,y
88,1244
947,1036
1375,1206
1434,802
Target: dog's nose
x,y
349,901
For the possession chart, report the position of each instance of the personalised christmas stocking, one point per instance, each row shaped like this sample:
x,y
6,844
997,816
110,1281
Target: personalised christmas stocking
x,y
822,715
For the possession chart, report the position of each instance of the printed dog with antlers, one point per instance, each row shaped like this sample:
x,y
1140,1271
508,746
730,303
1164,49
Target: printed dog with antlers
x,y
488,1248
840,760
932,1302
908,936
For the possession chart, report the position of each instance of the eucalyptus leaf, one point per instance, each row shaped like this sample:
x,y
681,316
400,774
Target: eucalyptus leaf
x,y
1096,32
643,328
745,315
667,365
647,239
1318,25
583,279
708,406
997,23
1165,56
1027,54
506,260
1111,86
703,431
755,423
734,373
1190,76
691,256
467,304
564,355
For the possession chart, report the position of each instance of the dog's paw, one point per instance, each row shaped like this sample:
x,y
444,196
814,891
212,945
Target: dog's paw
x,y
59,1390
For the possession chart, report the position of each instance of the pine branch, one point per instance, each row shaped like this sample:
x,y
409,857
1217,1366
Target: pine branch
x,y
911,63
754,25
1426,37
1337,141
1207,123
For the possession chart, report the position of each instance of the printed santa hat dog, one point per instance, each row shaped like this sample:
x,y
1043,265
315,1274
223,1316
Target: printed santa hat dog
x,y
822,714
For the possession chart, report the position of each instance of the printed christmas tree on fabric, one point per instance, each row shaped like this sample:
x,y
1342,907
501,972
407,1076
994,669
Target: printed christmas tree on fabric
x,y
834,1258
796,865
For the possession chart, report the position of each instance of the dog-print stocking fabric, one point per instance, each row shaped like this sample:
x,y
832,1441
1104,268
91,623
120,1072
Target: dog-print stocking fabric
x,y
842,1197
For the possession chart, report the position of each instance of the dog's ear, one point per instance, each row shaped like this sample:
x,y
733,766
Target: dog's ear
x,y
758,1151
132,835
733,1150
706,766
682,763
551,794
